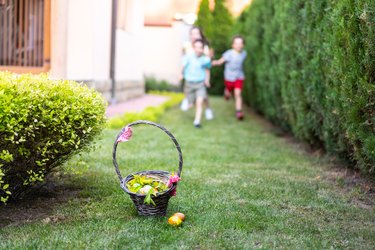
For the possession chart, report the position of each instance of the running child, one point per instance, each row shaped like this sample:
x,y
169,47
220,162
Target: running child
x,y
197,34
233,72
197,78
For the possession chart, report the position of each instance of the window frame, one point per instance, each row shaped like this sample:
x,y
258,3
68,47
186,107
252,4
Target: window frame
x,y
46,47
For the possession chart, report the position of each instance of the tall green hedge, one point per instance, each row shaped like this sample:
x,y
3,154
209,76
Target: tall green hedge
x,y
217,26
221,41
42,123
204,20
311,70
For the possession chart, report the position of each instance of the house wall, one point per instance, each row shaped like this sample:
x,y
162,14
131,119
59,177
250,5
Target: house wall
x,y
163,51
81,32
129,47
59,12
81,45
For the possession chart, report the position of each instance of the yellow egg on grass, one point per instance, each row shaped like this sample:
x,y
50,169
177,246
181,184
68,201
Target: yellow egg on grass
x,y
174,221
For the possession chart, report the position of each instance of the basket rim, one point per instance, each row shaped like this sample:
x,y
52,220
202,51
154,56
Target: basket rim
x,y
142,122
129,177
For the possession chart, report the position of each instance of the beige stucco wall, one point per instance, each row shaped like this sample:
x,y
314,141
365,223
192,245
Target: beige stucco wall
x,y
163,51
59,12
81,32
129,49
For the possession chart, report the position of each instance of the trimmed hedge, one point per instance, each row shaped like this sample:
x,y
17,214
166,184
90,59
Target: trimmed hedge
x,y
42,123
311,70
152,84
150,113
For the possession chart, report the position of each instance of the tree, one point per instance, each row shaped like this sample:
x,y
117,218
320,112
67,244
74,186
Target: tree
x,y
222,25
204,20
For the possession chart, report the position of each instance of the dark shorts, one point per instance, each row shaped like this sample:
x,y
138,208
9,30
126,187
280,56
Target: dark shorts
x,y
237,84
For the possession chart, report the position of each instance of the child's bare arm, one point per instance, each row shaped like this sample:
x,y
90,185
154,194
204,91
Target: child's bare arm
x,y
207,80
218,62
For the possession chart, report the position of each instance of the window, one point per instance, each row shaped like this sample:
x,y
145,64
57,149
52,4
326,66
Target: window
x,y
24,35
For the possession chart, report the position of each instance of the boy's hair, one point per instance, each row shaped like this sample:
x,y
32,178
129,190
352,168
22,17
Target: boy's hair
x,y
238,37
198,41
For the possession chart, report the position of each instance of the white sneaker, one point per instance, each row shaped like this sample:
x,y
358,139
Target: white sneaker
x,y
209,114
197,124
184,105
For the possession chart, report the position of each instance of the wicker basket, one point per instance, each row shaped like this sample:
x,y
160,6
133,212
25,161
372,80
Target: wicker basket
x,y
161,199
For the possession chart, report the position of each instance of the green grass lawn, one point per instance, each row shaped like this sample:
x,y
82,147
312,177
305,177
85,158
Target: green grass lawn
x,y
242,187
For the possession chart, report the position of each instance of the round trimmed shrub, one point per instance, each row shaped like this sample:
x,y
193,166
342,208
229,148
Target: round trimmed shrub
x,y
42,123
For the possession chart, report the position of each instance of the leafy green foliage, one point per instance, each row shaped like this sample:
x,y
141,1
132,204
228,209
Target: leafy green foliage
x,y
311,69
221,41
152,84
205,19
150,113
219,23
141,184
42,123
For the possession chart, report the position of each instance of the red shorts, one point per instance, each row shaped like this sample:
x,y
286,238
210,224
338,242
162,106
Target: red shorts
x,y
237,84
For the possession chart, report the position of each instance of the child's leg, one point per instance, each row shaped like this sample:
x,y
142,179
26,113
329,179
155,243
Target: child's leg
x,y
238,84
189,94
209,114
238,97
198,110
206,102
229,86
201,95
227,94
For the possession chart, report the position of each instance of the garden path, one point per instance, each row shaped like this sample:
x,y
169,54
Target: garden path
x,y
135,104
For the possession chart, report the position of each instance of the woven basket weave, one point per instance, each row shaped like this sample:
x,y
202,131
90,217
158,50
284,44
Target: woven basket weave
x,y
161,199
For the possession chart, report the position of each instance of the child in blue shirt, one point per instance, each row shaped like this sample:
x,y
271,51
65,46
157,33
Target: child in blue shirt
x,y
197,78
196,33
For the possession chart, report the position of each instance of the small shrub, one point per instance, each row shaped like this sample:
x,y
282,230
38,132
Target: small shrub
x,y
152,84
150,113
42,123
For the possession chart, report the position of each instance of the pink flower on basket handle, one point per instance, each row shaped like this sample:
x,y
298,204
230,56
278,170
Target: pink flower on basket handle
x,y
173,179
125,135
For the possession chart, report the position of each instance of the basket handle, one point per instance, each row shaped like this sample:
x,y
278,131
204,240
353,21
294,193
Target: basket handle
x,y
153,124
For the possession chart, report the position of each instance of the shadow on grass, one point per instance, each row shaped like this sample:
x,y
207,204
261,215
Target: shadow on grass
x,y
40,202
